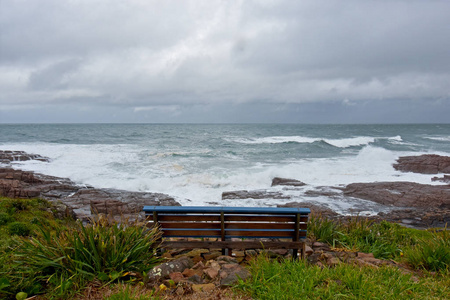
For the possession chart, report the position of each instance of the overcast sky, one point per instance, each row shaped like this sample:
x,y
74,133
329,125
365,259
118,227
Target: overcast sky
x,y
225,61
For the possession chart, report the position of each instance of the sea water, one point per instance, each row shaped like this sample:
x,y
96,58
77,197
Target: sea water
x,y
195,163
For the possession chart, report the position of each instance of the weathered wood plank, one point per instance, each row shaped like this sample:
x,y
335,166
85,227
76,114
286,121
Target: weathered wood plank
x,y
233,244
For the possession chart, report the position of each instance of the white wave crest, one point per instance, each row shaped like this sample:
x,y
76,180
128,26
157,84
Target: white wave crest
x,y
438,138
349,142
277,140
341,143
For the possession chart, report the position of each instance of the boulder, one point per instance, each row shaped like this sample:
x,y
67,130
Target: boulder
x,y
425,164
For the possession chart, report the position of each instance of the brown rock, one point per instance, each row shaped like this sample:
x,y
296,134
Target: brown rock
x,y
333,261
425,164
192,272
196,252
211,273
212,255
230,273
318,246
285,181
401,194
308,250
176,277
195,279
221,260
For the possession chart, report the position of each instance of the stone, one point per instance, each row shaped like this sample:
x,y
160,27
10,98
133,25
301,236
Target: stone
x,y
196,252
238,253
162,271
230,274
308,250
211,273
251,252
285,181
192,272
198,265
212,255
333,261
318,246
226,260
176,277
424,164
207,287
196,279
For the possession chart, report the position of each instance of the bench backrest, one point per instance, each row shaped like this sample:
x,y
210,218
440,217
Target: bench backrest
x,y
229,222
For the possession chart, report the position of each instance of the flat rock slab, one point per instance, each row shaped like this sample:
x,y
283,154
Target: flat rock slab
x,y
402,194
425,164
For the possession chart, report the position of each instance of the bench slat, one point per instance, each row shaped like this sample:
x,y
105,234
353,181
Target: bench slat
x,y
228,218
216,225
233,244
231,233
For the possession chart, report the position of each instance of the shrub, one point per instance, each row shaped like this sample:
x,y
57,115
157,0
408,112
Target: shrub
x,y
5,218
67,259
18,228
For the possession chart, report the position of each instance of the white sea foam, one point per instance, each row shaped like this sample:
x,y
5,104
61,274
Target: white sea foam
x,y
195,182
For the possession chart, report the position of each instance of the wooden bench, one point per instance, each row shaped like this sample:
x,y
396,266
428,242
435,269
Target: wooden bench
x,y
256,227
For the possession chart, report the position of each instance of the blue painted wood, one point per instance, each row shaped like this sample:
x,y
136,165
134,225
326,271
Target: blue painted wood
x,y
219,209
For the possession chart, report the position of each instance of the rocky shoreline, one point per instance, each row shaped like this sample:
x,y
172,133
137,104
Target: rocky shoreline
x,y
411,204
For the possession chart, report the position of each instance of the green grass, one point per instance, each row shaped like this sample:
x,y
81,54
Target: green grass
x,y
297,280
385,240
432,253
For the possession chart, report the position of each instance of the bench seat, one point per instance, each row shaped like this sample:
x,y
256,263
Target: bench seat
x,y
231,227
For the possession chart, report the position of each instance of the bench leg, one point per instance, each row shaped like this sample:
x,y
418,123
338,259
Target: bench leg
x,y
294,254
302,251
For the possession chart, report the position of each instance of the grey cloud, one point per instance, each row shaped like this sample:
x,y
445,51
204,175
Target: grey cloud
x,y
136,54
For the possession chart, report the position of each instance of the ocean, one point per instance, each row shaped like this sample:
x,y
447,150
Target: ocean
x,y
195,163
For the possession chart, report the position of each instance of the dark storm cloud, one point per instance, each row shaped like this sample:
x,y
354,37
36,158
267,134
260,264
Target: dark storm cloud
x,y
172,59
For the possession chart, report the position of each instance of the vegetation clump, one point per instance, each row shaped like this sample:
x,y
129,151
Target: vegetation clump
x,y
18,228
5,218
